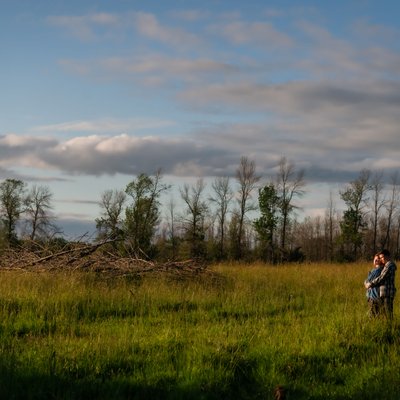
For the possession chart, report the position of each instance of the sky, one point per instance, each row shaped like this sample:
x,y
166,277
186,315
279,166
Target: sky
x,y
94,92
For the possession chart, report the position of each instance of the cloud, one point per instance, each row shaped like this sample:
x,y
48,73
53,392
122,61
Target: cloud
x,y
321,101
336,114
98,155
94,26
13,174
328,151
125,154
148,26
185,69
360,59
108,125
364,28
84,27
153,70
12,146
78,201
261,34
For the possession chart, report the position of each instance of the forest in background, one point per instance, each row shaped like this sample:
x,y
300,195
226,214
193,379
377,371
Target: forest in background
x,y
237,219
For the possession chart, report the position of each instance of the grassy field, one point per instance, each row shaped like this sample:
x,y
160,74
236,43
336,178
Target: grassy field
x,y
234,334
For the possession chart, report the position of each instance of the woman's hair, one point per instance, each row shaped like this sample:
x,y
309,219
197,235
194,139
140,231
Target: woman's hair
x,y
376,257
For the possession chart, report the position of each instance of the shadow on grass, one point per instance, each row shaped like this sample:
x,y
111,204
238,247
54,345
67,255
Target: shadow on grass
x,y
236,376
34,387
307,379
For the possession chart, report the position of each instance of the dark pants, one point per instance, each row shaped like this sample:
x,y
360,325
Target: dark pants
x,y
387,303
375,307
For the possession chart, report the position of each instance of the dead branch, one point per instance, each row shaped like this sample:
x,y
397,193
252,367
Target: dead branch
x,y
89,257
85,250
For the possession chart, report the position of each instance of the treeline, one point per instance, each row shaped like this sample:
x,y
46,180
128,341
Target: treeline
x,y
237,219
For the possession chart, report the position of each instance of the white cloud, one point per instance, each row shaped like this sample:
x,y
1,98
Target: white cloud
x,y
98,154
148,25
13,140
117,144
254,33
168,66
153,70
106,126
84,27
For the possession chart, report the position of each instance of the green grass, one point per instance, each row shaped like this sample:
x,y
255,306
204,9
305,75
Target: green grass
x,y
232,336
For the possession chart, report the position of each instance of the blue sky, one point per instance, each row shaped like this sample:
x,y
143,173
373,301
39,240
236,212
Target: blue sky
x,y
95,92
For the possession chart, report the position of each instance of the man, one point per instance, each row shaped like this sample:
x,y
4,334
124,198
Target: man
x,y
386,283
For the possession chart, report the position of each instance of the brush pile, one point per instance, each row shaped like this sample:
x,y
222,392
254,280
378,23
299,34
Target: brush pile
x,y
92,257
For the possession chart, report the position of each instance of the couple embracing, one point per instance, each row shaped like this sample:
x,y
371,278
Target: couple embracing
x,y
380,285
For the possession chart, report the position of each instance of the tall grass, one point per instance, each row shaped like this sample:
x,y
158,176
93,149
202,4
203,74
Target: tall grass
x,y
234,334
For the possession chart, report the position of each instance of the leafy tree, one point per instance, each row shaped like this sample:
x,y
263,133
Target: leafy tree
x,y
267,223
350,226
11,206
355,197
142,215
110,224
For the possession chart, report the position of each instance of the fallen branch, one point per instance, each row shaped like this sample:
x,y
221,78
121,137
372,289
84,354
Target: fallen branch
x,y
88,248
86,258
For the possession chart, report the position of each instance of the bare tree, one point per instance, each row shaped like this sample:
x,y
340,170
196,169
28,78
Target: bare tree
x,y
378,203
330,214
310,238
290,184
247,179
171,221
222,197
391,207
196,209
38,208
109,224
397,242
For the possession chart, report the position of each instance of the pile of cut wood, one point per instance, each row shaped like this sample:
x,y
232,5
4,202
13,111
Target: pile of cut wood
x,y
92,257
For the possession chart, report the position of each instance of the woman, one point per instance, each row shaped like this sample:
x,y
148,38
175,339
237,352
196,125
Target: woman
x,y
373,295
